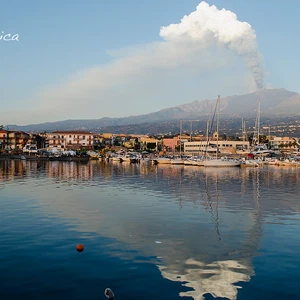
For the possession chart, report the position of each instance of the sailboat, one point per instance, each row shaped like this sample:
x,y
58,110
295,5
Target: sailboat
x,y
258,148
243,150
220,162
178,160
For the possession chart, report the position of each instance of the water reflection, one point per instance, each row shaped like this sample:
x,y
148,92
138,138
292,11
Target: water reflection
x,y
208,222
219,277
216,278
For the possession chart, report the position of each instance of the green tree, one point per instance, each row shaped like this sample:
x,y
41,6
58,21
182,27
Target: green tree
x,y
151,146
116,143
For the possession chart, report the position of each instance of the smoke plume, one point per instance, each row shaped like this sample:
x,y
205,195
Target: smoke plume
x,y
208,25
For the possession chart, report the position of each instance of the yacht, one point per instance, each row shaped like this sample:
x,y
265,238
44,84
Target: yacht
x,y
220,162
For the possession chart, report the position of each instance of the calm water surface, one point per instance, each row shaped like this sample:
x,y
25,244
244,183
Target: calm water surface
x,y
150,232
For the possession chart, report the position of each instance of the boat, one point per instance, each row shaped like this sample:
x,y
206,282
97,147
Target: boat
x,y
249,163
91,154
115,157
30,149
221,162
177,161
161,160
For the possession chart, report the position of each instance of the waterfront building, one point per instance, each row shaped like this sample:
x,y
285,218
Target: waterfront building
x,y
3,139
70,140
13,140
199,147
278,143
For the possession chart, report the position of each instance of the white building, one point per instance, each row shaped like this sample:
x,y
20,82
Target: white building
x,y
275,142
198,147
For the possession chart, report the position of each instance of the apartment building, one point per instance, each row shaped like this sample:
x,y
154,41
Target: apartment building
x,y
70,140
3,139
276,143
13,140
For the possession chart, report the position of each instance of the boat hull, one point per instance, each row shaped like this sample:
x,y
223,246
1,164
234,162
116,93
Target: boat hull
x,y
221,163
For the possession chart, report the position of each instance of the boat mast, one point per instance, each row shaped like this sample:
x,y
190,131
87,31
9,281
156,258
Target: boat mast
x,y
244,132
269,146
256,133
180,137
258,121
218,116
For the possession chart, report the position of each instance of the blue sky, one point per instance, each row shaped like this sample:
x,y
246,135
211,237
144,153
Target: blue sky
x,y
92,59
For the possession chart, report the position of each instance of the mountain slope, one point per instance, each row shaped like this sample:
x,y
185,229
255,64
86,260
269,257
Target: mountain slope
x,y
274,102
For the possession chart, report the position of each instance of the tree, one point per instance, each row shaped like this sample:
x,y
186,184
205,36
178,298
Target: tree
x,y
116,143
151,146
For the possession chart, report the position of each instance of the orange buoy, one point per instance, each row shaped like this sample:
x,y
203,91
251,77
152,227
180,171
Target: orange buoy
x,y
79,247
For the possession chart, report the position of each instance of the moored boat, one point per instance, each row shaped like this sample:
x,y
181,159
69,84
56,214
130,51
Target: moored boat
x,y
221,163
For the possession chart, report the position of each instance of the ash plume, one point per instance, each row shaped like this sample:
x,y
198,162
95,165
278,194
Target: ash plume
x,y
208,25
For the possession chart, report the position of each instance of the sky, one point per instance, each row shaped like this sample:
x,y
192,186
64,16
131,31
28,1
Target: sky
x,y
91,59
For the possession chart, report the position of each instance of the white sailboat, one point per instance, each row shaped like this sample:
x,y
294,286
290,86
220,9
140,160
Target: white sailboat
x,y
258,148
220,162
178,160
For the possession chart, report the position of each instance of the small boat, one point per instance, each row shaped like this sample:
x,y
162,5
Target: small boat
x,y
249,163
161,160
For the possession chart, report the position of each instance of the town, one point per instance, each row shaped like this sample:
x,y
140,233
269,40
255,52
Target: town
x,y
185,143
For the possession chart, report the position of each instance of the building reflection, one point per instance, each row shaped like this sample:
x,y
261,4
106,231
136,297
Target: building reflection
x,y
187,183
16,169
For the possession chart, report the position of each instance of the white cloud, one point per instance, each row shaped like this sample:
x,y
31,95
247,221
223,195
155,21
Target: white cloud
x,y
194,60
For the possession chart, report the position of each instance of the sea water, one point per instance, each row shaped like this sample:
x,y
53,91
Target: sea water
x,y
149,231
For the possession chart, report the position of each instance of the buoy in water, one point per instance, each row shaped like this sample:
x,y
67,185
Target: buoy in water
x,y
79,247
109,294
